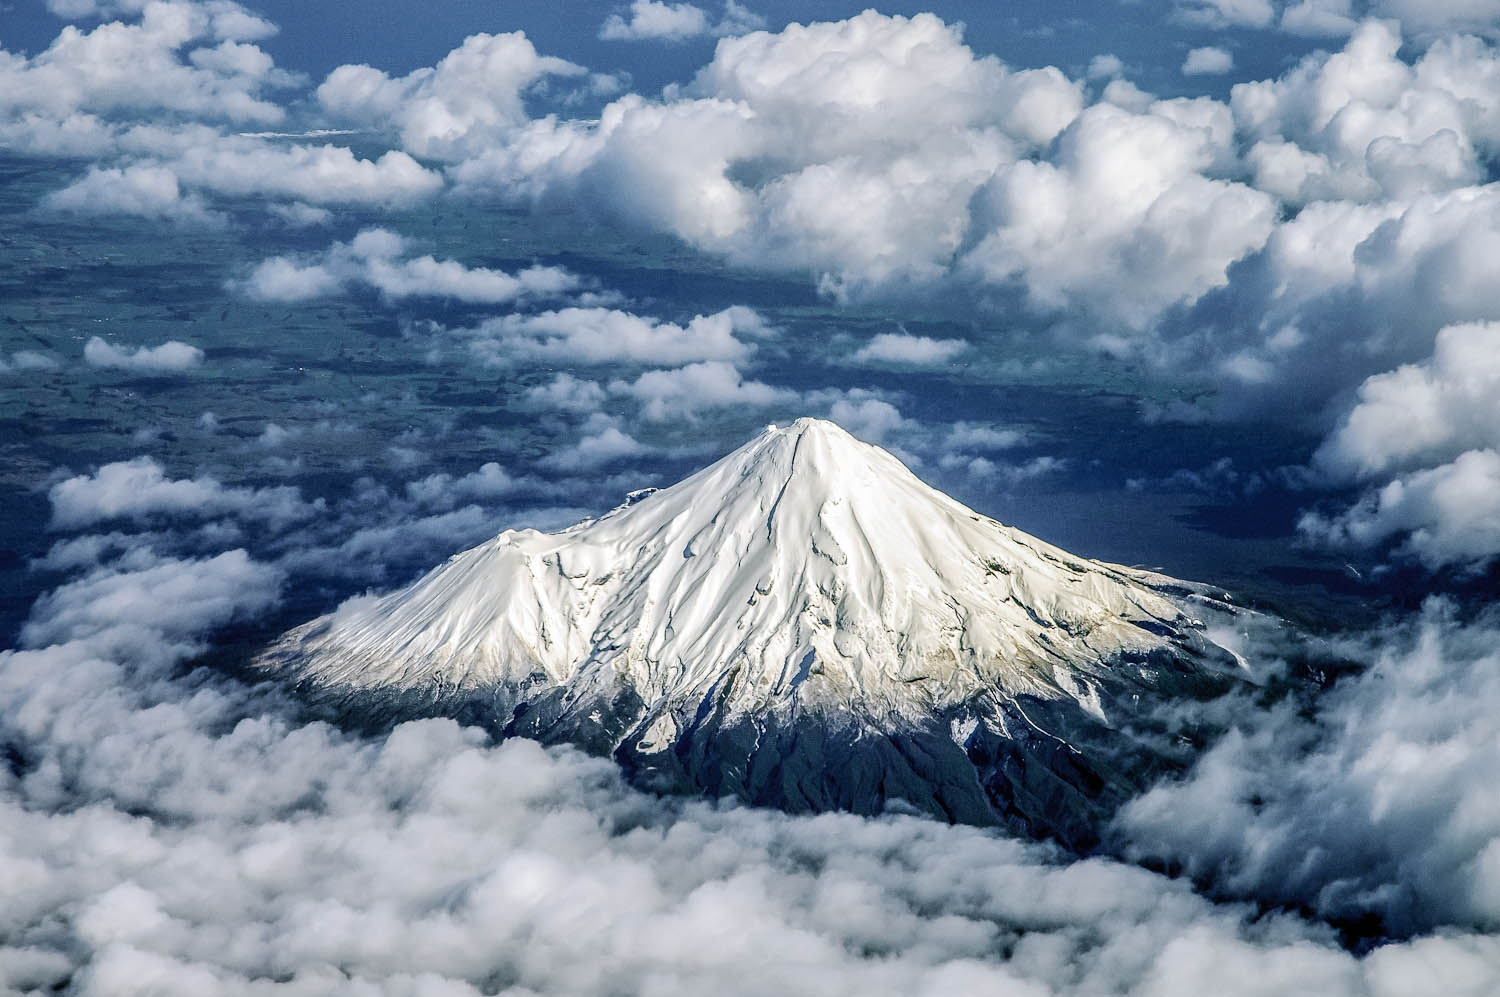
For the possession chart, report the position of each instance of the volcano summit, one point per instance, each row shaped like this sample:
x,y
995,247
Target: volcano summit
x,y
802,624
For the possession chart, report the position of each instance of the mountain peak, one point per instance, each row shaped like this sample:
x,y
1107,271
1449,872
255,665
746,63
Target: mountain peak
x,y
804,575
810,426
815,446
807,564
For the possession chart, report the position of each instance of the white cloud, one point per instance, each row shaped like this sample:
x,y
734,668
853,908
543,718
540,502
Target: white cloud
x,y
239,166
139,489
683,392
1318,18
903,348
443,491
31,360
1430,431
227,21
1344,291
1208,61
1361,124
1226,13
598,336
180,57
565,391
379,259
167,814
968,173
1449,514
471,99
603,443
174,599
851,150
168,358
301,215
143,190
869,418
654,20
977,436
1376,803
325,174
1124,223
1105,66
1426,413
1438,17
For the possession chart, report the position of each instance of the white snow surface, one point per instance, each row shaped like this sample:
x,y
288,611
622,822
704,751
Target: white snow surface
x,y
814,567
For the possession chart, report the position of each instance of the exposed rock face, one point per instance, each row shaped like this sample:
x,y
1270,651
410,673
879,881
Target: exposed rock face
x,y
802,624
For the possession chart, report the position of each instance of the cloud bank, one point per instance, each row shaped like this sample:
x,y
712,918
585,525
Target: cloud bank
x,y
171,812
379,259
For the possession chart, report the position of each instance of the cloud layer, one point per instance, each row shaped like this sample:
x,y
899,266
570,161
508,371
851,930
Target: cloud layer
x,y
205,839
379,259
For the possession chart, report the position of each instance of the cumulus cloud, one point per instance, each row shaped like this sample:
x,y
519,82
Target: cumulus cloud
x,y
27,360
1373,806
1105,66
183,57
154,92
166,599
243,166
565,391
1341,292
598,336
674,22
903,348
1361,124
1208,61
445,491
1011,473
683,392
1226,13
139,489
1448,515
471,99
379,259
978,436
652,19
1318,18
1124,222
1422,413
974,448
848,149
315,174
166,812
1430,432
142,190
1337,18
869,417
1127,222
1442,16
603,442
170,357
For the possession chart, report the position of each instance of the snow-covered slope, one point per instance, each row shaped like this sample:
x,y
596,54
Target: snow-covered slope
x,y
807,564
803,624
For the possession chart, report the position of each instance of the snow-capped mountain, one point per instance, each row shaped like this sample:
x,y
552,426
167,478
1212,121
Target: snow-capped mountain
x,y
745,629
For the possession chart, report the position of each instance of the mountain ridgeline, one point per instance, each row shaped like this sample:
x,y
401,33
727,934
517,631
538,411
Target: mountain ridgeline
x,y
803,624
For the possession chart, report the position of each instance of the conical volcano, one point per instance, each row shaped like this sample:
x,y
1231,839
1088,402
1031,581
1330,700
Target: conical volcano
x,y
806,586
